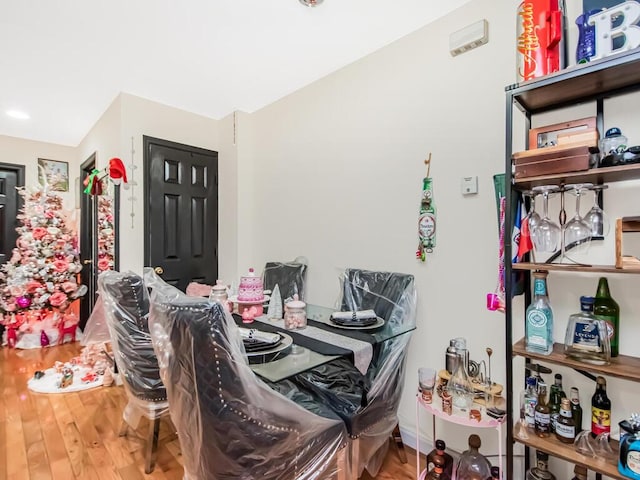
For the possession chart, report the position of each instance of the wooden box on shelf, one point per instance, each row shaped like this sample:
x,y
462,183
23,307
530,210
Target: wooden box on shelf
x,y
626,224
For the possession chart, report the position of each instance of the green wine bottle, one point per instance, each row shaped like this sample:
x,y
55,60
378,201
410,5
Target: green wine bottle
x,y
607,309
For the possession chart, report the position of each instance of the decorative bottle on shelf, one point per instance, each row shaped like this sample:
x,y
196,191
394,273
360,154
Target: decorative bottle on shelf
x,y
448,459
565,427
472,464
629,458
541,470
607,309
556,394
542,415
528,402
580,473
539,318
600,409
437,471
576,409
587,337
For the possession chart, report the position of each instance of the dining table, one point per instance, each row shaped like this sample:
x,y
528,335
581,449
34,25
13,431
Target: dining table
x,y
321,341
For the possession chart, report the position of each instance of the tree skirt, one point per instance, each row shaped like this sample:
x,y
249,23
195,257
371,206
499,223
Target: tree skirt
x,y
51,379
28,341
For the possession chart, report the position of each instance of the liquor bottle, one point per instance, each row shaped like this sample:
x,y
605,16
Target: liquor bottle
x,y
565,428
539,318
528,401
541,470
576,409
606,308
448,459
495,473
472,464
556,394
436,472
542,415
600,409
629,458
580,473
587,338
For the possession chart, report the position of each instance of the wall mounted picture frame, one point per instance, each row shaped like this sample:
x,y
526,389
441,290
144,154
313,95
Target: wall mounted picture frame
x,y
54,173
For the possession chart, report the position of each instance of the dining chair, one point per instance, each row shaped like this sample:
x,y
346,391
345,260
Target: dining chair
x,y
232,425
126,307
369,403
289,276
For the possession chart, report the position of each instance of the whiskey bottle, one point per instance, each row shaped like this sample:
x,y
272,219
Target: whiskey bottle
x,y
587,339
565,428
447,473
541,470
580,473
436,472
539,318
576,409
607,309
542,415
556,394
600,409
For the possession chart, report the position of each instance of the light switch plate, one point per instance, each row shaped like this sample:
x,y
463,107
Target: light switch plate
x,y
469,185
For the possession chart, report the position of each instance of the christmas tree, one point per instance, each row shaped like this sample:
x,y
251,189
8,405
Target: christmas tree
x,y
40,280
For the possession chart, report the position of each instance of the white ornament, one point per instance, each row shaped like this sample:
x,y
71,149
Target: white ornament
x,y
275,304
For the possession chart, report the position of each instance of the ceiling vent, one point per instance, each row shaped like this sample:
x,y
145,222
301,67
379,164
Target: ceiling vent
x,y
468,38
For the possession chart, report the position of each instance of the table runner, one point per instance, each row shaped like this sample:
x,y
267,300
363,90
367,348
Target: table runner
x,y
362,350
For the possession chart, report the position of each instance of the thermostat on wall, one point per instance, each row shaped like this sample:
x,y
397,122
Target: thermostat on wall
x,y
469,37
469,185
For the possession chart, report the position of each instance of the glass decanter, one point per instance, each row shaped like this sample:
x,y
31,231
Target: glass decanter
x,y
459,385
472,464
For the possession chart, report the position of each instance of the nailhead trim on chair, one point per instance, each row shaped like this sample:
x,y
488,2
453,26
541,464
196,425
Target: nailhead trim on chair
x,y
232,409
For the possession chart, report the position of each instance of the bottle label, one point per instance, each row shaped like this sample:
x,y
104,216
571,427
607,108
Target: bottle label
x,y
565,431
537,318
554,421
530,412
600,420
608,319
633,461
543,422
539,287
587,336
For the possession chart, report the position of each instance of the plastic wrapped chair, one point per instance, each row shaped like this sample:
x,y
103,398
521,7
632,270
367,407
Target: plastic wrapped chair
x,y
126,307
290,278
230,424
369,403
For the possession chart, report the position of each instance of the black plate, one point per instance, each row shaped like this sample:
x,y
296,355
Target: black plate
x,y
365,322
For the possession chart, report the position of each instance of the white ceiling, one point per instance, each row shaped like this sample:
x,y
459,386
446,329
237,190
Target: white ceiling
x,y
63,62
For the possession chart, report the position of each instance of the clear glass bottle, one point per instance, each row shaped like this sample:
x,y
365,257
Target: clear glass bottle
x,y
600,409
542,414
576,409
556,394
607,309
472,464
539,318
541,470
587,339
447,469
459,384
565,427
528,401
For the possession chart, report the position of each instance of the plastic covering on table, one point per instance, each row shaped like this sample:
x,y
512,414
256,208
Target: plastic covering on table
x,y
289,276
231,425
368,403
126,307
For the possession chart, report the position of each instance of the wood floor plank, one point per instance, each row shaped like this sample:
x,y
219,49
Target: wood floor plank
x,y
16,456
54,443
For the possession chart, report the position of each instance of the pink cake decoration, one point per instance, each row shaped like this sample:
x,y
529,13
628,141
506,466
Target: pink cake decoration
x,y
251,289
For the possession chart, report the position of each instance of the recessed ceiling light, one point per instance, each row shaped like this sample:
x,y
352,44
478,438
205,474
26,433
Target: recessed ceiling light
x,y
18,114
311,3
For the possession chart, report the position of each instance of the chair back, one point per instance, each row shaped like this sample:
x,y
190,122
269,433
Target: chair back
x,y
290,278
126,305
231,425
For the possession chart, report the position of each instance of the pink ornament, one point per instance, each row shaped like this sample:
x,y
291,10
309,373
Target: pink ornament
x,y
44,340
23,302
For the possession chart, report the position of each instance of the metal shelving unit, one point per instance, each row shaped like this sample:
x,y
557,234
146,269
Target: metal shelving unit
x,y
591,82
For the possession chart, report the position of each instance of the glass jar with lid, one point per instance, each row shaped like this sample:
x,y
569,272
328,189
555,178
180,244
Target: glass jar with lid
x,y
295,315
219,293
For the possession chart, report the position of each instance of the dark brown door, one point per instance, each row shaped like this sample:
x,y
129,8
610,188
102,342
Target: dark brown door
x,y
181,205
11,176
88,244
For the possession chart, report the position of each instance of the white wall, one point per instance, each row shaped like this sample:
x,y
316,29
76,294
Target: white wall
x,y
26,152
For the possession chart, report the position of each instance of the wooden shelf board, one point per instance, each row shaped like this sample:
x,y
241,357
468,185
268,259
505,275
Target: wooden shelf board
x,y
595,175
566,267
557,449
622,366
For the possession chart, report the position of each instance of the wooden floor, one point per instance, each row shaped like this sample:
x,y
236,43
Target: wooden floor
x,y
75,435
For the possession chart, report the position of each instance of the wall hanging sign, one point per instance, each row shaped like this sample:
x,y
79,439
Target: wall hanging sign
x,y
427,217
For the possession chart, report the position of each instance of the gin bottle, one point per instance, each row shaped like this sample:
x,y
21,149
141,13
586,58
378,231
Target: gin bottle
x,y
528,402
539,318
587,339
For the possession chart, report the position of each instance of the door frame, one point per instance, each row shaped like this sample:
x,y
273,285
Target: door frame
x,y
147,142
87,235
20,176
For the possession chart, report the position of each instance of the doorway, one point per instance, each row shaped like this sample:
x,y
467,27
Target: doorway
x,y
181,212
88,243
11,176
